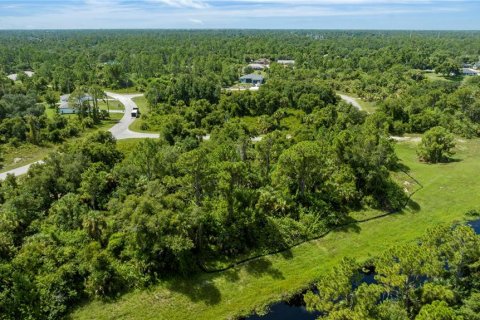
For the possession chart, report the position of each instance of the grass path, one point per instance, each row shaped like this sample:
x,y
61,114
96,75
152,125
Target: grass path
x,y
254,285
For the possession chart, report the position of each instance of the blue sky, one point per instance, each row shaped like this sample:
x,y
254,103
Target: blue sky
x,y
261,14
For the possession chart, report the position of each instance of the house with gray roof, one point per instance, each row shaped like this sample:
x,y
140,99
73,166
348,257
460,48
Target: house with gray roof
x,y
470,72
65,107
286,62
253,78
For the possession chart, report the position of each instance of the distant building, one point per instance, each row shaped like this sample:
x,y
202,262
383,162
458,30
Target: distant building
x,y
252,78
66,108
14,76
257,66
286,62
262,61
470,72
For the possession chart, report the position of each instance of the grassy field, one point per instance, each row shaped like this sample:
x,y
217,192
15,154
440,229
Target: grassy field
x,y
438,77
112,105
15,157
254,285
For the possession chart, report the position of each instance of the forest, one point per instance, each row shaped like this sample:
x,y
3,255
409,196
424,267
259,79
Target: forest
x,y
235,174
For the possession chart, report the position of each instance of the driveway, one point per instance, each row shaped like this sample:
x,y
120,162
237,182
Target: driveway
x,y
120,131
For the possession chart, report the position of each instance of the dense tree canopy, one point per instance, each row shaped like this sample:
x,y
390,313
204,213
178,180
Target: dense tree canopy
x,y
236,173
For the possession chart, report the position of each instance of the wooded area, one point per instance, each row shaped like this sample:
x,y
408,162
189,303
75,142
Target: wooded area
x,y
235,174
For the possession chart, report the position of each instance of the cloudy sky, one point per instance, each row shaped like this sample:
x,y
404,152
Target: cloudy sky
x,y
261,14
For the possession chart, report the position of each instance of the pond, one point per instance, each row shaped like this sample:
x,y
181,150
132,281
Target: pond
x,y
288,311
294,309
475,224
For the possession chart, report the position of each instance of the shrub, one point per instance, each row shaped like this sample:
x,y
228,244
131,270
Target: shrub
x,y
436,145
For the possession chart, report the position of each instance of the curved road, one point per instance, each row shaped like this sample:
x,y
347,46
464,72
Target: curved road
x,y
351,101
120,131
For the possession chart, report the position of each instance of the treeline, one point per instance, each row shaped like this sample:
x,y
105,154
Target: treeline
x,y
92,222
173,66
205,112
429,104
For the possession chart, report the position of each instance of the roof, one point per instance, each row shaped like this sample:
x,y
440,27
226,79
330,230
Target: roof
x,y
253,77
64,100
262,61
256,66
470,71
286,61
14,76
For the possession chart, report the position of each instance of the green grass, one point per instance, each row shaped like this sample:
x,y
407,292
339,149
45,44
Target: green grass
x,y
254,285
50,112
144,110
112,105
438,77
127,146
107,124
130,90
15,157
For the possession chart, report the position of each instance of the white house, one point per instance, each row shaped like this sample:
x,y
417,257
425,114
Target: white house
x,y
470,72
286,62
257,66
64,106
252,78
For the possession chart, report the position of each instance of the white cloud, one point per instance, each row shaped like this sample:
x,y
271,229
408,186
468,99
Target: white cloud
x,y
340,2
219,13
196,4
196,21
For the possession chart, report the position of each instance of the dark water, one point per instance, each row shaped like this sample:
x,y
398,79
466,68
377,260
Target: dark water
x,y
286,311
475,225
295,308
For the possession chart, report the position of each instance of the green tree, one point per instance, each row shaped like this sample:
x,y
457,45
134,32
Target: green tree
x,y
448,67
301,168
51,97
438,310
436,145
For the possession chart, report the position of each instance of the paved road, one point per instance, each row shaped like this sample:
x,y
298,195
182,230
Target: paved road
x,y
18,171
351,101
120,130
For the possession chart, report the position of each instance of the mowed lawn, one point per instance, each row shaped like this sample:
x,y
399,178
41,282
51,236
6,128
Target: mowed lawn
x,y
449,191
142,105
